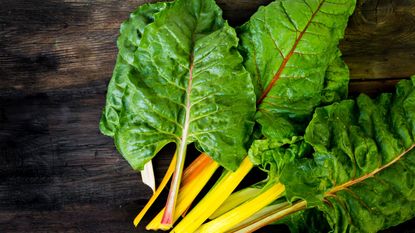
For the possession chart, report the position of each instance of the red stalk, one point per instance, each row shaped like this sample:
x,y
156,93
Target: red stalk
x,y
181,154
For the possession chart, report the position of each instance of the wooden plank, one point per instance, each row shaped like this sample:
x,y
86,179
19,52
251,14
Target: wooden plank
x,y
50,45
379,41
53,148
72,218
372,87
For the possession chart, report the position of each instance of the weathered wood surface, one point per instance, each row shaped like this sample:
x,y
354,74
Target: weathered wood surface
x,y
57,173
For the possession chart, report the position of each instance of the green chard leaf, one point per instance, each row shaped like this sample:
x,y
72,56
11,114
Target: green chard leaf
x,y
271,155
130,36
336,81
309,220
179,78
290,50
361,174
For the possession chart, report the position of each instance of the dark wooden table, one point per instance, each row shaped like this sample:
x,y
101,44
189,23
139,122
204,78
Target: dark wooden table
x,y
57,172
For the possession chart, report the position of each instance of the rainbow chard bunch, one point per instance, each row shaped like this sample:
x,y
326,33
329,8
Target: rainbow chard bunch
x,y
269,94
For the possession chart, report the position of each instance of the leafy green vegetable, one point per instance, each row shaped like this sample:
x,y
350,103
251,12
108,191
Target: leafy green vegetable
x,y
288,47
362,169
179,79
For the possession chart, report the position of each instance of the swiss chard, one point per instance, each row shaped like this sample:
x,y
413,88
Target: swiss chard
x,y
179,80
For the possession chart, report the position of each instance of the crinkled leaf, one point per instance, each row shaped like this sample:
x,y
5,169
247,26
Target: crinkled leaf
x,y
186,83
130,36
131,31
336,81
288,47
271,155
309,220
362,171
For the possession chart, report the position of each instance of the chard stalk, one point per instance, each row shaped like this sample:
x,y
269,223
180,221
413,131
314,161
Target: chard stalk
x,y
163,184
174,186
235,200
263,213
194,179
244,211
181,154
214,198
201,161
196,167
262,221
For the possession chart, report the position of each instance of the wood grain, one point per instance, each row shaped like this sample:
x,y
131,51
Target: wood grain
x,y
55,162
379,41
58,173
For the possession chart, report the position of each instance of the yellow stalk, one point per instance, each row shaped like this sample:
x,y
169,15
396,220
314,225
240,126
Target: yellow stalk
x,y
187,193
215,197
235,200
263,213
244,211
301,205
193,169
163,183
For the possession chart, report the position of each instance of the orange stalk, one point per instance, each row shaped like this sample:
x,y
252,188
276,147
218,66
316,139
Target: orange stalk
x,y
199,175
195,167
192,170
